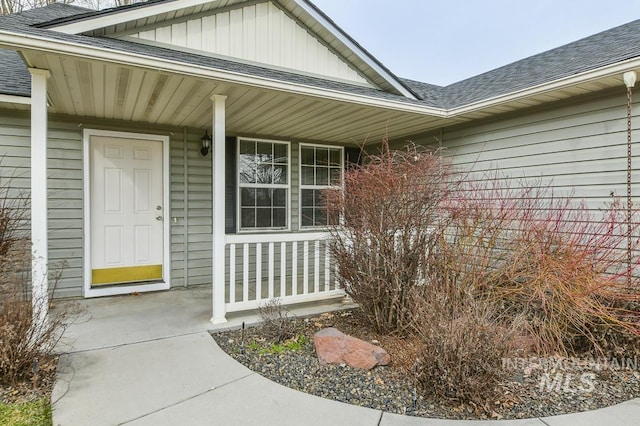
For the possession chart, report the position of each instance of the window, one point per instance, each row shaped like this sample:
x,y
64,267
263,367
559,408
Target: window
x,y
263,184
321,167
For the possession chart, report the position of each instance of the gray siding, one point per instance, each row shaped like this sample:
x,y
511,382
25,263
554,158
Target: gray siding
x,y
579,147
190,194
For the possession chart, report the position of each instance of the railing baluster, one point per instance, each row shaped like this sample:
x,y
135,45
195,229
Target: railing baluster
x,y
316,267
294,268
271,269
305,268
258,271
245,272
283,269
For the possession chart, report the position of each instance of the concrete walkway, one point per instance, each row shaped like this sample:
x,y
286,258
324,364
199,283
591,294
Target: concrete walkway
x,y
149,360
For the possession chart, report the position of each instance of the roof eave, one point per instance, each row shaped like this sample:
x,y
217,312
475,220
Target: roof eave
x,y
617,68
19,41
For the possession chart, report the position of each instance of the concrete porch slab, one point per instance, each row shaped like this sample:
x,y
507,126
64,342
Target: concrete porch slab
x,y
121,320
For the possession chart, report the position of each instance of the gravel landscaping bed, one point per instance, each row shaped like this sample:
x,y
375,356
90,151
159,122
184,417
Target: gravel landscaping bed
x,y
539,387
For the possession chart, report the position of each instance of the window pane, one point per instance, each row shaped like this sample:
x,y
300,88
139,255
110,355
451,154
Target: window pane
x,y
280,218
307,176
321,216
336,159
317,198
280,153
307,217
265,174
306,155
322,157
280,175
322,176
280,197
247,197
334,178
265,152
263,164
306,198
263,197
248,218
247,147
263,217
247,169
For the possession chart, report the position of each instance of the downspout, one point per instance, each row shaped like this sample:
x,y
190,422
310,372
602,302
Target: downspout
x,y
629,81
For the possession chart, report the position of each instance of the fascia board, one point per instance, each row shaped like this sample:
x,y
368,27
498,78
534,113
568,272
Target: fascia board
x,y
125,15
13,99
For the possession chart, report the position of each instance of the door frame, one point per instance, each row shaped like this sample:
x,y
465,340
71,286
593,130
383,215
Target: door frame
x,y
166,258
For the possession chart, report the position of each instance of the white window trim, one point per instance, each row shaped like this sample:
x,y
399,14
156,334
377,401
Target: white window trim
x,y
301,186
165,284
252,185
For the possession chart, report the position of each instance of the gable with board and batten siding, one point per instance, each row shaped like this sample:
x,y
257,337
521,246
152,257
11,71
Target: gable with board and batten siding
x,y
261,33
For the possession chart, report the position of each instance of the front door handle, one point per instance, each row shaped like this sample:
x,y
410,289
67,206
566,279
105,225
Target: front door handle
x,y
158,217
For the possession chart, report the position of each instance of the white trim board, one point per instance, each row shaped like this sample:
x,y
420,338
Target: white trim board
x,y
115,18
166,270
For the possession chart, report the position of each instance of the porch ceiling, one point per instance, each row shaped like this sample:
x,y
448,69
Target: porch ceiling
x,y
86,88
93,88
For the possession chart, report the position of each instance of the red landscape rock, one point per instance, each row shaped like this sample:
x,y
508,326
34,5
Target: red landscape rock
x,y
334,347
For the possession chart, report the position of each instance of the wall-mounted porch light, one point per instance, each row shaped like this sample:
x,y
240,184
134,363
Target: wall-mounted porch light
x,y
206,143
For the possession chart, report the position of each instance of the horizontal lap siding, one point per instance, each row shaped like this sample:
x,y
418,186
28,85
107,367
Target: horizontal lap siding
x,y
65,196
64,157
199,222
65,189
577,147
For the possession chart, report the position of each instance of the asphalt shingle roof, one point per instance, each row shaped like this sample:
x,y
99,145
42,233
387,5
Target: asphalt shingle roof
x,y
608,47
16,79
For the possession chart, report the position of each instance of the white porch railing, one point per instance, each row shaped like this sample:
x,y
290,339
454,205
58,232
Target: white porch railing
x,y
292,267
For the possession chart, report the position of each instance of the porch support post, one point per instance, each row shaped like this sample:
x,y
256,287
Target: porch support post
x,y
39,228
218,133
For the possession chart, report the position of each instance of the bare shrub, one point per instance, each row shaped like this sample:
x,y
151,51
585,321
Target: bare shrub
x,y
391,206
23,341
461,346
547,259
275,322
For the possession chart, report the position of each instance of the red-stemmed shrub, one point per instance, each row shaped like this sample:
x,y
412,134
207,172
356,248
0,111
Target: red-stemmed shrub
x,y
479,267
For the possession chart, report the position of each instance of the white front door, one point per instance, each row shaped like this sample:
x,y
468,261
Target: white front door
x,y
127,211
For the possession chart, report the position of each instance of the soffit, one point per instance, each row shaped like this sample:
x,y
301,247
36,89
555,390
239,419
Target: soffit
x,y
90,88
